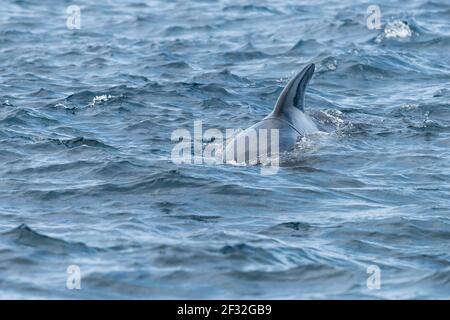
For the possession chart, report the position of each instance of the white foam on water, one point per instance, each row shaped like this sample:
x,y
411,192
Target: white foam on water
x,y
100,99
396,29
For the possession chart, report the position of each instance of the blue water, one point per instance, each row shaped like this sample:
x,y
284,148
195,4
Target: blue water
x,y
86,177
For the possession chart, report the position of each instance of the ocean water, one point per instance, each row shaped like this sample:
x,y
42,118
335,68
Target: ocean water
x,y
87,179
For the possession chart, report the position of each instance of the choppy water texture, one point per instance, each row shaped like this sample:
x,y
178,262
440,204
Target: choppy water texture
x,y
86,178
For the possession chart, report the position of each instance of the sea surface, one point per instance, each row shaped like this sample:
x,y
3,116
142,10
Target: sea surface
x,y
87,179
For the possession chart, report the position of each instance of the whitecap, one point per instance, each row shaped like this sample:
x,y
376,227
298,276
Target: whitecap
x,y
100,99
396,29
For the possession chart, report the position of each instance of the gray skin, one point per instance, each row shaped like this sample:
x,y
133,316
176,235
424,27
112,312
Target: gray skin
x,y
287,116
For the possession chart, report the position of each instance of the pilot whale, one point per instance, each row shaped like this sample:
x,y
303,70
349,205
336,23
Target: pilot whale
x,y
288,117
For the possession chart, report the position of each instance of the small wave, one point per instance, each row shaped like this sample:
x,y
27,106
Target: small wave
x,y
100,99
329,63
437,42
43,93
367,70
197,218
46,169
61,106
113,169
156,183
438,278
444,92
211,88
250,8
397,29
86,98
181,30
247,52
27,117
433,5
423,117
402,230
304,46
297,229
104,98
177,65
24,235
6,103
266,255
240,190
330,119
224,76
81,141
239,56
313,276
215,103
148,126
81,97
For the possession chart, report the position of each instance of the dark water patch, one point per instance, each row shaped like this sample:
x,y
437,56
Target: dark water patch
x,y
250,8
186,30
197,218
444,92
176,65
81,98
166,206
296,229
81,141
25,236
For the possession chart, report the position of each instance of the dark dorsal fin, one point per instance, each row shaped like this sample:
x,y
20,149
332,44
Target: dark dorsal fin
x,y
293,95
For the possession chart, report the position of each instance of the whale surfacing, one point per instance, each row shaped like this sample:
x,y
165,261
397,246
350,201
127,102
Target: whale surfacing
x,y
261,141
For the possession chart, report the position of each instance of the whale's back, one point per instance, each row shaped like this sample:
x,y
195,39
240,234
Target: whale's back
x,y
281,129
